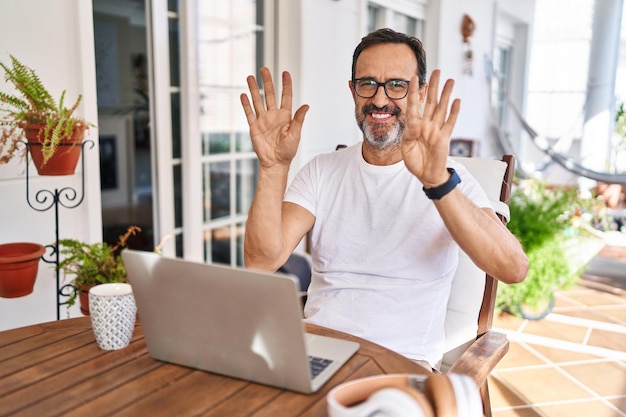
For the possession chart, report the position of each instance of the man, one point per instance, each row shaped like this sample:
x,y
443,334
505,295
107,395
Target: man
x,y
387,214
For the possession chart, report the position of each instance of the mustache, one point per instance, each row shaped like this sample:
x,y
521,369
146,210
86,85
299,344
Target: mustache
x,y
369,108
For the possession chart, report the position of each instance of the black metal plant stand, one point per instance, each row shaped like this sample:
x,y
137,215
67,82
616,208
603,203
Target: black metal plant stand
x,y
44,200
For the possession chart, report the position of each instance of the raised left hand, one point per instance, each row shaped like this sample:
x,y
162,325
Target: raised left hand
x,y
426,140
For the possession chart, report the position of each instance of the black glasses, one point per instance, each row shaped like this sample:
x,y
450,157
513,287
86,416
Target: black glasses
x,y
368,87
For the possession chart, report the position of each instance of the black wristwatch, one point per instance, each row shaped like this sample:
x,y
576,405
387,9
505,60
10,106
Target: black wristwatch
x,y
437,193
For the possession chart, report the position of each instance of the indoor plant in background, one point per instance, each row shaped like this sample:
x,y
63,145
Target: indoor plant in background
x,y
558,229
54,131
92,264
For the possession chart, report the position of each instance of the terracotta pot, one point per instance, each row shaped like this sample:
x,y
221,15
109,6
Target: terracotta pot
x,y
83,298
65,158
540,311
19,263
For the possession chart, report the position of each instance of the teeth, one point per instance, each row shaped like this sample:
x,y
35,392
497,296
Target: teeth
x,y
380,115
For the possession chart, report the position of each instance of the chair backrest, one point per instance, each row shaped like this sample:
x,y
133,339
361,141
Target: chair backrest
x,y
472,297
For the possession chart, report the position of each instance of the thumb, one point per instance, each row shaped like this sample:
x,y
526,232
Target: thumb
x,y
300,113
298,117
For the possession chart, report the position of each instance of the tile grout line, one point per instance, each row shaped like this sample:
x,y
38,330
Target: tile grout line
x,y
580,322
576,381
534,407
561,344
527,405
558,368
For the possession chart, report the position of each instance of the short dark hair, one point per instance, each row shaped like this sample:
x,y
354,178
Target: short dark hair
x,y
387,35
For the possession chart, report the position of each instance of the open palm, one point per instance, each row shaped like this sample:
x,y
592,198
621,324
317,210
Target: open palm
x,y
426,140
275,134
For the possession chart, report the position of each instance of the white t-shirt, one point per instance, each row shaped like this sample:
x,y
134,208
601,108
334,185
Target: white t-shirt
x,y
382,259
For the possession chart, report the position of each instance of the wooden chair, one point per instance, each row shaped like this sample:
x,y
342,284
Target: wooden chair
x,y
472,348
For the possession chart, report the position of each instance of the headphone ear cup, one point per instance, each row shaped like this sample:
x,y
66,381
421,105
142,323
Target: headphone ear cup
x,y
393,402
468,399
421,400
440,392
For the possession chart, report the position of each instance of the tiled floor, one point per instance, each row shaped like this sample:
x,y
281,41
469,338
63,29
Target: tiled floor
x,y
573,362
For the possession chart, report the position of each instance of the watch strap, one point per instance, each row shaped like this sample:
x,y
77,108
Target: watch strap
x,y
440,191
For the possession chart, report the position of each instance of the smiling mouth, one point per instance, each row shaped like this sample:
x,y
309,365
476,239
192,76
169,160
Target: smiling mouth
x,y
380,114
381,117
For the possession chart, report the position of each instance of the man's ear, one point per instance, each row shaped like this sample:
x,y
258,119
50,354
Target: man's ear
x,y
351,86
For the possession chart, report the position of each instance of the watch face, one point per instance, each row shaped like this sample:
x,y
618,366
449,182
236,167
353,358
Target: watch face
x,y
460,148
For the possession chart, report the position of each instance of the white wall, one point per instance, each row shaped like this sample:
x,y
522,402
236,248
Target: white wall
x,y
474,90
316,46
56,39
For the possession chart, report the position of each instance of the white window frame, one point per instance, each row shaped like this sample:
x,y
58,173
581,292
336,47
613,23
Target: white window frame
x,y
412,8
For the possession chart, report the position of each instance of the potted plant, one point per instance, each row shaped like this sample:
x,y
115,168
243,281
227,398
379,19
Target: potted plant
x,y
92,264
19,264
53,130
557,228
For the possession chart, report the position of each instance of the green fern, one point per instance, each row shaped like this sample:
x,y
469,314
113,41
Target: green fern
x,y
34,105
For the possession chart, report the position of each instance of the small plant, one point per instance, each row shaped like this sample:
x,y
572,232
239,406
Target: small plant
x,y
95,263
33,105
544,220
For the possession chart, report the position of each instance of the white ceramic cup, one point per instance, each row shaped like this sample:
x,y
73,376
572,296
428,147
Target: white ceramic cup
x,y
113,313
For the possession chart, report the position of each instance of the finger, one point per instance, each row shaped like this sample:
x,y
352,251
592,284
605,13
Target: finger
x,y
295,128
300,113
245,103
413,102
454,113
286,98
431,96
255,93
268,87
441,109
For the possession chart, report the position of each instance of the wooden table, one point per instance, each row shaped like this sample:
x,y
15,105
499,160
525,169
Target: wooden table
x,y
56,368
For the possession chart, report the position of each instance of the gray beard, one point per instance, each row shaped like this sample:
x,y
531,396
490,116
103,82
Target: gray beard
x,y
385,141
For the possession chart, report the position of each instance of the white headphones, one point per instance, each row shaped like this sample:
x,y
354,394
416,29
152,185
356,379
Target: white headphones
x,y
405,395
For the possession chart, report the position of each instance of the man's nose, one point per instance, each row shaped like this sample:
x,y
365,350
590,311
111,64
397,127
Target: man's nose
x,y
380,99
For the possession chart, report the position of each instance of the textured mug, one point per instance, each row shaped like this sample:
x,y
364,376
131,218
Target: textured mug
x,y
113,312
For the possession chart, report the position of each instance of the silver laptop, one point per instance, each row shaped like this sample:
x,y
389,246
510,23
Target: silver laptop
x,y
231,321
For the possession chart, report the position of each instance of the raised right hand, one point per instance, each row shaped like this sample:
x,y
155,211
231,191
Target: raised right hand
x,y
275,133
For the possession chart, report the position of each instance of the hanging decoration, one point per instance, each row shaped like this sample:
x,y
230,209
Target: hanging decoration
x,y
467,30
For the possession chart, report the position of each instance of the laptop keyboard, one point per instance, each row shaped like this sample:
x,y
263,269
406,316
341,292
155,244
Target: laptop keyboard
x,y
318,364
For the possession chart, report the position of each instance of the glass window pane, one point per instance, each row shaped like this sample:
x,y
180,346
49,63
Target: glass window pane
x,y
221,117
243,142
373,14
179,245
216,183
217,245
178,195
228,36
172,6
216,143
224,244
176,125
174,41
405,24
239,242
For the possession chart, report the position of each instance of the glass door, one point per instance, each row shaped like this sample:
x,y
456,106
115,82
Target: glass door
x,y
205,167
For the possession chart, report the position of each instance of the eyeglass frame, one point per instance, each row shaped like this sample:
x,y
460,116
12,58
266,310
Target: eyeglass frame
x,y
383,85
